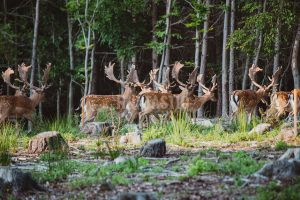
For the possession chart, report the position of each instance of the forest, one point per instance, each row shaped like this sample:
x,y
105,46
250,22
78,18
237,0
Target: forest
x,y
149,99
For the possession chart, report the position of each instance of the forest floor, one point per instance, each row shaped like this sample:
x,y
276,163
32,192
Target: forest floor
x,y
210,171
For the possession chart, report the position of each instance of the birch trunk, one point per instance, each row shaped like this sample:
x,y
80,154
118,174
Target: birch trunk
x,y
154,39
92,81
231,53
245,76
122,72
71,57
224,63
34,47
295,53
203,50
259,43
276,56
167,41
86,61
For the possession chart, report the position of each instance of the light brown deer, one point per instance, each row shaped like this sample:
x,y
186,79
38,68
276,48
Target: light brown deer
x,y
191,105
152,103
20,105
280,105
92,103
247,100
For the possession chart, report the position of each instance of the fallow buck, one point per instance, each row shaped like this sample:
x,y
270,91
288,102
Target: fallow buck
x,y
191,105
90,104
247,100
153,103
280,105
21,106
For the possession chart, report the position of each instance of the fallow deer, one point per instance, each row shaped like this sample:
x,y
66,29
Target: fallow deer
x,y
280,105
247,100
191,105
158,102
90,104
20,105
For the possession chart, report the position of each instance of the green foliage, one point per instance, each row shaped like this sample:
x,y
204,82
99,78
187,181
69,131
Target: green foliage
x,y
281,145
274,191
105,148
240,163
199,166
8,142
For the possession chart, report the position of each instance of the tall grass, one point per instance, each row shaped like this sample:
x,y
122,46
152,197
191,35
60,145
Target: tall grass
x,y
8,142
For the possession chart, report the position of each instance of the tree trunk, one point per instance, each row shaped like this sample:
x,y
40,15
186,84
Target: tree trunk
x,y
86,61
203,51
259,43
92,81
245,76
295,53
167,42
71,57
58,100
224,64
40,104
122,72
276,56
34,47
154,39
231,53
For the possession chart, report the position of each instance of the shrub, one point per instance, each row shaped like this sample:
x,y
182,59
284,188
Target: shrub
x,y
281,145
8,142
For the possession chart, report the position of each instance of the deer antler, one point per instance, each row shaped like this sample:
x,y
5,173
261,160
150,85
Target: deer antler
x,y
193,76
214,83
23,72
252,71
109,71
164,88
175,71
199,80
274,78
6,78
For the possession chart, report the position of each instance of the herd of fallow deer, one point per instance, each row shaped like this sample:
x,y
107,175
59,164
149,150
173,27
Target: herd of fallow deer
x,y
139,100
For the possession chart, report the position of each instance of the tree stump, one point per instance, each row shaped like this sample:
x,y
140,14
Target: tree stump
x,y
15,181
97,128
154,148
47,141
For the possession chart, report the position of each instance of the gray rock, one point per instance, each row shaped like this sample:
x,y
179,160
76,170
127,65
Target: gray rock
x,y
284,168
286,134
17,182
50,140
97,128
106,186
204,122
154,148
261,128
133,138
136,196
123,159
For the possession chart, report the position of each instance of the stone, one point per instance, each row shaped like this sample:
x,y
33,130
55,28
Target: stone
x,y
106,186
154,148
47,141
123,159
204,122
17,182
287,167
286,134
133,138
136,196
97,128
261,128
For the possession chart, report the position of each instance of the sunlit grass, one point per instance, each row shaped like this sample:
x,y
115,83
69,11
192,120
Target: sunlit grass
x,y
8,142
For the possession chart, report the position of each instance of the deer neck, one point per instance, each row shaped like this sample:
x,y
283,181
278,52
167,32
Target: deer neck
x,y
128,92
36,98
260,93
205,98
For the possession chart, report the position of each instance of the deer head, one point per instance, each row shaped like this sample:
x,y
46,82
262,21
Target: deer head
x,y
166,85
263,89
186,88
210,92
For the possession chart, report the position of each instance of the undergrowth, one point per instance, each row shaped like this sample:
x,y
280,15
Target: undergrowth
x,y
181,131
8,142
